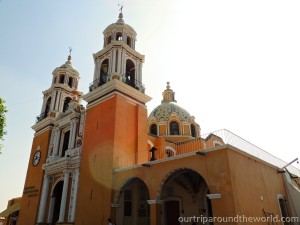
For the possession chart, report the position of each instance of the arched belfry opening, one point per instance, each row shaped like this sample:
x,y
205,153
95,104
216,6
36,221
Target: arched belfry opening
x,y
184,193
134,208
128,42
55,202
119,36
66,104
47,108
130,73
109,40
104,72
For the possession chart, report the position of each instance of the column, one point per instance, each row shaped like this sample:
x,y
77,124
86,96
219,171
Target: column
x,y
140,72
155,211
75,181
113,60
51,209
56,141
113,215
43,201
64,197
73,133
119,62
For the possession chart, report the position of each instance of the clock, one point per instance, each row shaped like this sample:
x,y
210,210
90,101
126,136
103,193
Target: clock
x,y
36,158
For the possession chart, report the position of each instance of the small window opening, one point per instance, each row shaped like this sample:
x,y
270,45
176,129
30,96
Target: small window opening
x,y
70,82
66,104
65,143
153,129
62,79
193,130
119,37
174,128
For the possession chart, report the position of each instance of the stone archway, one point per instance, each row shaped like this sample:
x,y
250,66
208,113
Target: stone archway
x,y
184,194
55,202
131,199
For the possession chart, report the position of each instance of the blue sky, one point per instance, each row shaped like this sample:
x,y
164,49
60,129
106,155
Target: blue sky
x,y
233,64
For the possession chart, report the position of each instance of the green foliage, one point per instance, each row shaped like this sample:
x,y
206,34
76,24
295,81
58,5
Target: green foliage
x,y
3,111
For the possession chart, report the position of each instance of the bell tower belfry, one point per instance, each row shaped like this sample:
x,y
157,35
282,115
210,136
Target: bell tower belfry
x,y
118,59
116,121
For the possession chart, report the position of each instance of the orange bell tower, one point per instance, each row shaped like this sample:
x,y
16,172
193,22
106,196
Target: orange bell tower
x,y
55,102
116,121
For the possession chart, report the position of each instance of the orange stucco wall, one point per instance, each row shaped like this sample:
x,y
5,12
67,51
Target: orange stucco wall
x,y
114,128
34,180
255,186
240,180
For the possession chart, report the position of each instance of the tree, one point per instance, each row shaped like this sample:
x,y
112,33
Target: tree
x,y
3,111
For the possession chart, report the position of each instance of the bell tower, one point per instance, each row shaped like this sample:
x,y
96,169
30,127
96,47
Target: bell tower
x,y
116,121
118,59
63,90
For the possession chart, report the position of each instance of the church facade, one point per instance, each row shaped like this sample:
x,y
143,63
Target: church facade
x,y
112,160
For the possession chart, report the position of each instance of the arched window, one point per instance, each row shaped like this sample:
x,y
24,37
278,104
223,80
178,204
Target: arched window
x,y
62,79
47,108
119,36
65,143
70,82
153,129
193,130
54,80
130,73
174,128
109,40
128,41
104,72
66,103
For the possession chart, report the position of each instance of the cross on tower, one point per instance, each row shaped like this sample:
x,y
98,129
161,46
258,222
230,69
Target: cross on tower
x,y
121,7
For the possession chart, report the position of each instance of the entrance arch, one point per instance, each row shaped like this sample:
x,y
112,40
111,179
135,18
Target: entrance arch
x,y
54,207
132,200
184,194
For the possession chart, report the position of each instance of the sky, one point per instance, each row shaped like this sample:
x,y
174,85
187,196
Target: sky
x,y
233,64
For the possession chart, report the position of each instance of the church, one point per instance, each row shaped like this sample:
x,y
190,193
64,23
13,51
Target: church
x,y
114,160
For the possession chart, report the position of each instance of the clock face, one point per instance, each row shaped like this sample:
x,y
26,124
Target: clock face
x,y
36,158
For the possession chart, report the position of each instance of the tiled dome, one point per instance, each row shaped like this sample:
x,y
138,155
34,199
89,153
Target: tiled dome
x,y
164,111
168,106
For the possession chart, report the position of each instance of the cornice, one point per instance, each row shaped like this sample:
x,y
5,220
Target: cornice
x,y
115,86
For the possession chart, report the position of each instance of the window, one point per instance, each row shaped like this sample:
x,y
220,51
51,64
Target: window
x,y
119,37
65,143
54,80
193,130
70,82
130,73
128,41
103,72
283,208
62,79
109,40
66,104
47,109
153,129
174,128
127,203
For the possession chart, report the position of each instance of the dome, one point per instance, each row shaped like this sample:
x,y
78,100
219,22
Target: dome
x,y
164,111
66,66
120,24
168,106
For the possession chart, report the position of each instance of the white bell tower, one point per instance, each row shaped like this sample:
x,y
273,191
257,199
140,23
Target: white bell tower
x,y
118,59
62,91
